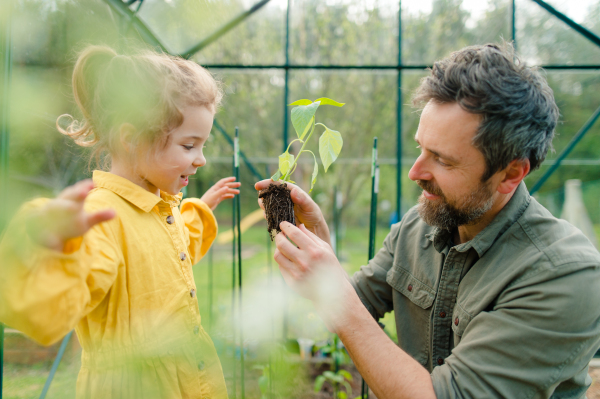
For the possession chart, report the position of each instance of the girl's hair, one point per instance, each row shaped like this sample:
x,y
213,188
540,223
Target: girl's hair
x,y
146,89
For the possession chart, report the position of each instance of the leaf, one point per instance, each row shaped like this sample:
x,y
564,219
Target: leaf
x,y
342,395
328,101
347,386
319,381
314,176
301,102
302,117
330,146
285,162
263,383
346,374
276,176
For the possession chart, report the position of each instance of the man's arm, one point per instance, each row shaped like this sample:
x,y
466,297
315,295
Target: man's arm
x,y
314,272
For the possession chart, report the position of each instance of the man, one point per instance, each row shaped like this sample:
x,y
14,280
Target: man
x,y
493,296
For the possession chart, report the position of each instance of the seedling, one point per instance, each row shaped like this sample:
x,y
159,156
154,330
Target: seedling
x,y
276,198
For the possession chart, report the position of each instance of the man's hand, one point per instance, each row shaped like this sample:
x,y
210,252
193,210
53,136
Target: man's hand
x,y
223,189
312,270
306,210
64,217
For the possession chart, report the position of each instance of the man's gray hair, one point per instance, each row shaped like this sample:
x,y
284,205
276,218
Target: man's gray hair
x,y
517,106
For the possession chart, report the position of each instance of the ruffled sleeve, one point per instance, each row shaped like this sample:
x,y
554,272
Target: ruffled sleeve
x,y
201,227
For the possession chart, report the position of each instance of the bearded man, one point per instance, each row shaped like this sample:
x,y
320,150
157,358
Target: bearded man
x,y
493,296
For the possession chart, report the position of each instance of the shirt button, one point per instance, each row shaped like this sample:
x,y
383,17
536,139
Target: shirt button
x,y
170,219
456,321
410,287
196,330
442,314
182,256
201,365
193,293
440,361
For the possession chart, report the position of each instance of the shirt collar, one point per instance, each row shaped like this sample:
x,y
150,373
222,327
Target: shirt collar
x,y
133,193
484,240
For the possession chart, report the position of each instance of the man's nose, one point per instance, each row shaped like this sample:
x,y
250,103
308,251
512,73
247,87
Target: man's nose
x,y
419,170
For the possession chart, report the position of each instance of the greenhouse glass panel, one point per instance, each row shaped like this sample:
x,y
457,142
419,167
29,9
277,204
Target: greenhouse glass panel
x,y
344,32
432,29
260,39
543,39
583,12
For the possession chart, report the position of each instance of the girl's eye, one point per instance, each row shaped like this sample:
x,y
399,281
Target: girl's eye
x,y
188,147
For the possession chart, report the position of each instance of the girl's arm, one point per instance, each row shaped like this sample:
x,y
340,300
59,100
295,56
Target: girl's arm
x,y
45,274
223,189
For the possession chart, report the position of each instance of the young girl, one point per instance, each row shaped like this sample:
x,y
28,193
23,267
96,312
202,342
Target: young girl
x,y
113,258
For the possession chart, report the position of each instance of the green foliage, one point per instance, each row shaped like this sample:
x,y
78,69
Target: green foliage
x,y
303,120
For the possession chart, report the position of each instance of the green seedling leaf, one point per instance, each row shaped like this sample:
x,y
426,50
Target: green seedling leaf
x,y
314,176
263,384
319,381
328,101
346,374
301,102
285,162
330,145
302,117
342,395
276,176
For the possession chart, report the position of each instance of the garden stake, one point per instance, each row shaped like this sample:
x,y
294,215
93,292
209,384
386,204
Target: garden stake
x,y
57,360
270,283
210,289
372,229
233,242
236,149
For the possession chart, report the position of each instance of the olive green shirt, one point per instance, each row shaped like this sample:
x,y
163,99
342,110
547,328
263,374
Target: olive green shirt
x,y
513,313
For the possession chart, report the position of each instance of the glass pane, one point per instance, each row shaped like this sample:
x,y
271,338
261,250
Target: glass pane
x,y
259,40
181,24
584,12
543,39
578,96
433,29
344,32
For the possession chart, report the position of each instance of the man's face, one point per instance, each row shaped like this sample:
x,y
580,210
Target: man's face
x,y
450,168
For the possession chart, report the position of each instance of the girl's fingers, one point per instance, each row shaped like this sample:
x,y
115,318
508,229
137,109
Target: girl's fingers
x,y
78,191
99,217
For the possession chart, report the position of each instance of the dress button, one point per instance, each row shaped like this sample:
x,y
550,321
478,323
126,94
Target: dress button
x,y
182,256
170,219
193,293
440,361
456,321
442,314
196,330
201,365
410,287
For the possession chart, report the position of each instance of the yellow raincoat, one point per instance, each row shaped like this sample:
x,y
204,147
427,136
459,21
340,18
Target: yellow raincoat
x,y
127,288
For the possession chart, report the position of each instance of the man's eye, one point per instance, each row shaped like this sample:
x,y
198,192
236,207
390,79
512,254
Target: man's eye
x,y
440,162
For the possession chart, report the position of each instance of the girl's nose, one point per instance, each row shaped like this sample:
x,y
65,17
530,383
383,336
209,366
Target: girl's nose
x,y
200,161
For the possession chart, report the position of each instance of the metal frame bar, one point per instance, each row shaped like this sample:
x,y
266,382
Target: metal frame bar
x,y
224,29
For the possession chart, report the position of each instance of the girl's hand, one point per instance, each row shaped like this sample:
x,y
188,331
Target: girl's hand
x,y
64,217
223,189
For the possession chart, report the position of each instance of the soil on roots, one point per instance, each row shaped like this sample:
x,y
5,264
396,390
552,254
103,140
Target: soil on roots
x,y
278,207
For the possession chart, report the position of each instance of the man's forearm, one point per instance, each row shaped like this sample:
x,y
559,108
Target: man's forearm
x,y
389,371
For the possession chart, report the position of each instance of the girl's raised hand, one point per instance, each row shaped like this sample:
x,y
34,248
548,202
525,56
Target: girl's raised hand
x,y
64,217
223,189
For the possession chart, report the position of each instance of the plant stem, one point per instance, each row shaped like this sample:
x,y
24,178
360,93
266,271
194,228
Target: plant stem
x,y
287,175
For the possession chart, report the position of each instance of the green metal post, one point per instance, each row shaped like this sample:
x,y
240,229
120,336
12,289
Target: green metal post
x,y
4,134
61,352
238,201
233,280
210,289
586,127
399,119
513,23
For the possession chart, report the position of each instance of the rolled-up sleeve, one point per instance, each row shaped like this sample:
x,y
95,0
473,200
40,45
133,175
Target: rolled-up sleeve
x,y
542,330
201,227
370,281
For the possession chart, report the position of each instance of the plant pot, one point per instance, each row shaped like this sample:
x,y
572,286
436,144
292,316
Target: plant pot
x,y
278,205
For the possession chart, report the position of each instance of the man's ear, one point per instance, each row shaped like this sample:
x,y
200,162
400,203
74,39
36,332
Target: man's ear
x,y
126,136
514,174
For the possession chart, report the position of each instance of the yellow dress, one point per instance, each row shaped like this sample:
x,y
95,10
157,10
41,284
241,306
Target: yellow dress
x,y
126,287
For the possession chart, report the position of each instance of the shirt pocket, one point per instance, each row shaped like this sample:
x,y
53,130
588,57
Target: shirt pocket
x,y
460,320
413,302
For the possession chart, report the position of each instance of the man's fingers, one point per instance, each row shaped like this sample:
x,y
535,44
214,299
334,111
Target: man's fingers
x,y
296,235
286,247
261,185
99,217
311,235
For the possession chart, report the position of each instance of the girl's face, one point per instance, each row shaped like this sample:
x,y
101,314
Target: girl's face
x,y
182,156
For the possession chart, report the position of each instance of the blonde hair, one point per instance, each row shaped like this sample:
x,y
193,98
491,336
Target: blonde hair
x,y
147,90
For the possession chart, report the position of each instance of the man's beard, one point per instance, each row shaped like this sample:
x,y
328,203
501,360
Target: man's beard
x,y
449,215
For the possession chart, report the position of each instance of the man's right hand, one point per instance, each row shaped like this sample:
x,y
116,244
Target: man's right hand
x,y
64,217
306,210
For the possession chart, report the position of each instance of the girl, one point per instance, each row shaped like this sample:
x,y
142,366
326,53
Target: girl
x,y
117,267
